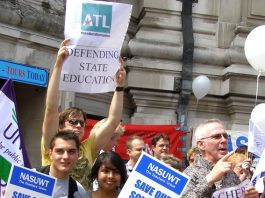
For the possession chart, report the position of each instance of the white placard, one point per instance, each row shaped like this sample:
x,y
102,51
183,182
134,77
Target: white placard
x,y
256,137
236,191
259,174
27,183
153,178
96,31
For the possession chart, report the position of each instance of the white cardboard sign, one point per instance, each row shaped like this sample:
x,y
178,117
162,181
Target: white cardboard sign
x,y
28,183
153,178
96,30
236,191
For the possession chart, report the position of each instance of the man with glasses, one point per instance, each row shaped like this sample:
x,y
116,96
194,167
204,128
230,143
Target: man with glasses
x,y
74,119
211,170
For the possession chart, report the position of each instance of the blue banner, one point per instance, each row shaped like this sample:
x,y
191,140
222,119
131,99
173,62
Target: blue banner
x,y
32,180
24,73
161,174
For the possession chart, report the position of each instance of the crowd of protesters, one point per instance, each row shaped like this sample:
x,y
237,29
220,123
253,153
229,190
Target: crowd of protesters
x,y
89,168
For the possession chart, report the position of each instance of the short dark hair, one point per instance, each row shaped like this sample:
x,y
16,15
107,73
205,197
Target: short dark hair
x,y
129,141
71,111
157,137
172,161
65,135
115,160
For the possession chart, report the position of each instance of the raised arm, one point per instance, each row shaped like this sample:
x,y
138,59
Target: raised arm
x,y
105,131
51,116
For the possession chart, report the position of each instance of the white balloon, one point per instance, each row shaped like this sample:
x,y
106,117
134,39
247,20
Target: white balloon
x,y
255,48
201,86
258,116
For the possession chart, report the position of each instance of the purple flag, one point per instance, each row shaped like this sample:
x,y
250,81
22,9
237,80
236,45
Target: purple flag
x,y
12,146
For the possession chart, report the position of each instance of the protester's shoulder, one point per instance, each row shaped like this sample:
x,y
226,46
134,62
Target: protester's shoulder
x,y
88,195
88,145
42,144
231,179
191,169
81,190
88,142
45,158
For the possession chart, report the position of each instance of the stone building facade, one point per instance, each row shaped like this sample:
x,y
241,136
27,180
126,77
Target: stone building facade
x,y
30,33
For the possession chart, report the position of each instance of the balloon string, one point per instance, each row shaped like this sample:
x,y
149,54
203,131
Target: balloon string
x,y
257,89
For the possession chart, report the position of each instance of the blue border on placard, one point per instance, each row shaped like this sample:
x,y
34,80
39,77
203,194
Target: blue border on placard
x,y
17,180
160,175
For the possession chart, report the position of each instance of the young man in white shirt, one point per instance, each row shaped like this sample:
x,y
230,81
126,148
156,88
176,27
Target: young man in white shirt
x,y
64,152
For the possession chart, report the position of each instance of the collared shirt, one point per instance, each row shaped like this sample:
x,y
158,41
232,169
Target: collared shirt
x,y
198,186
129,168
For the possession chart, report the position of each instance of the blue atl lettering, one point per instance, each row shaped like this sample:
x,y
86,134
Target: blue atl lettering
x,y
20,195
33,179
161,172
144,187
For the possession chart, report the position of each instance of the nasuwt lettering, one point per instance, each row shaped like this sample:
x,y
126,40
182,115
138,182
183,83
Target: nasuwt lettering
x,y
34,179
161,172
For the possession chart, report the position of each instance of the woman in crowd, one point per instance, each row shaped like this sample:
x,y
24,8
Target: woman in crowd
x,y
191,154
110,173
241,166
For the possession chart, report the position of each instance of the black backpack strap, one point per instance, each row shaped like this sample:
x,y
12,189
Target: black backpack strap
x,y
72,187
44,169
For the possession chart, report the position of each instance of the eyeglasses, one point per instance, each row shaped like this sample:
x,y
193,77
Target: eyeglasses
x,y
217,136
75,122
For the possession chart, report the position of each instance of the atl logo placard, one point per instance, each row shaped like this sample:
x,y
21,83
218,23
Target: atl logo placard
x,y
96,18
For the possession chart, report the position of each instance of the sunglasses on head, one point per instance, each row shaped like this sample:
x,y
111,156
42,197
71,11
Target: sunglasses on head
x,y
75,122
217,136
